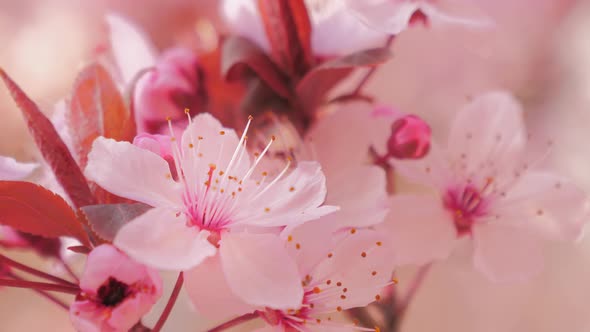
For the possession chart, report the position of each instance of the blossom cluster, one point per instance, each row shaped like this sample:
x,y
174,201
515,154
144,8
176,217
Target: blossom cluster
x,y
272,196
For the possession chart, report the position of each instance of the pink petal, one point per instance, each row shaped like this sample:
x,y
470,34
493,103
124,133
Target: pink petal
x,y
259,270
130,46
293,200
419,229
488,135
504,253
390,16
216,146
207,281
138,174
547,202
242,17
11,238
333,143
12,170
432,170
270,328
336,31
87,317
360,263
310,243
106,261
360,194
130,311
161,239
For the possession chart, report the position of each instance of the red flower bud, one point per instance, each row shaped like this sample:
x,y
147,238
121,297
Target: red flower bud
x,y
410,138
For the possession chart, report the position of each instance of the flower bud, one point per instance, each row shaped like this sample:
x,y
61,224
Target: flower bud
x,y
165,91
410,138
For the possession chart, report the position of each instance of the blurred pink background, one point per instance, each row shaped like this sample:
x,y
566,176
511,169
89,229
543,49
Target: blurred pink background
x,y
539,50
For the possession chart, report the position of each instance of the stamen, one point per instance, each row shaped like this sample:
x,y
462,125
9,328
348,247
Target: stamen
x,y
258,159
277,178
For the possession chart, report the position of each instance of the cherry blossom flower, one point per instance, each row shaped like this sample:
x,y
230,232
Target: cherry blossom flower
x,y
217,204
348,169
335,30
171,83
115,292
11,170
338,272
488,191
395,16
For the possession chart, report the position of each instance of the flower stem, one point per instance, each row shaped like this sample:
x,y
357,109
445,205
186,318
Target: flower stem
x,y
414,286
35,272
170,304
39,286
68,269
43,293
370,72
235,321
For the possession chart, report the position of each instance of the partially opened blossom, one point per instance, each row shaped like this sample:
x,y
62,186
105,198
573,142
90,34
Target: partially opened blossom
x,y
335,30
115,292
344,155
10,169
350,270
395,16
219,203
486,190
338,272
167,83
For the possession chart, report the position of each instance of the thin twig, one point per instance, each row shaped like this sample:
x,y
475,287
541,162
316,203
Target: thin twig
x,y
414,286
35,272
68,269
235,321
370,72
170,304
43,293
39,285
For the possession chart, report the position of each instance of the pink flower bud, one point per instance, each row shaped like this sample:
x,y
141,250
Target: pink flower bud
x,y
165,91
410,138
115,292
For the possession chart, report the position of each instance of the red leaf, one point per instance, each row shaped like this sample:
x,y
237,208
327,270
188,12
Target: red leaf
x,y
312,89
30,208
54,150
80,249
239,53
288,28
97,109
107,219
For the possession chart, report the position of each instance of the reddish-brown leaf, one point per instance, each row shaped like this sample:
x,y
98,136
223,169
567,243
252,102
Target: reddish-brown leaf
x,y
288,29
239,54
312,89
33,209
54,150
80,249
97,109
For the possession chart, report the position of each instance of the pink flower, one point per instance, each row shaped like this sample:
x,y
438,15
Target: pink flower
x,y
166,90
410,138
116,292
338,272
335,30
486,191
395,16
172,81
218,204
12,170
357,187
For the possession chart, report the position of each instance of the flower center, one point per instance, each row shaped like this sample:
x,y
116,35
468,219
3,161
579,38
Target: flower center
x,y
112,292
466,205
